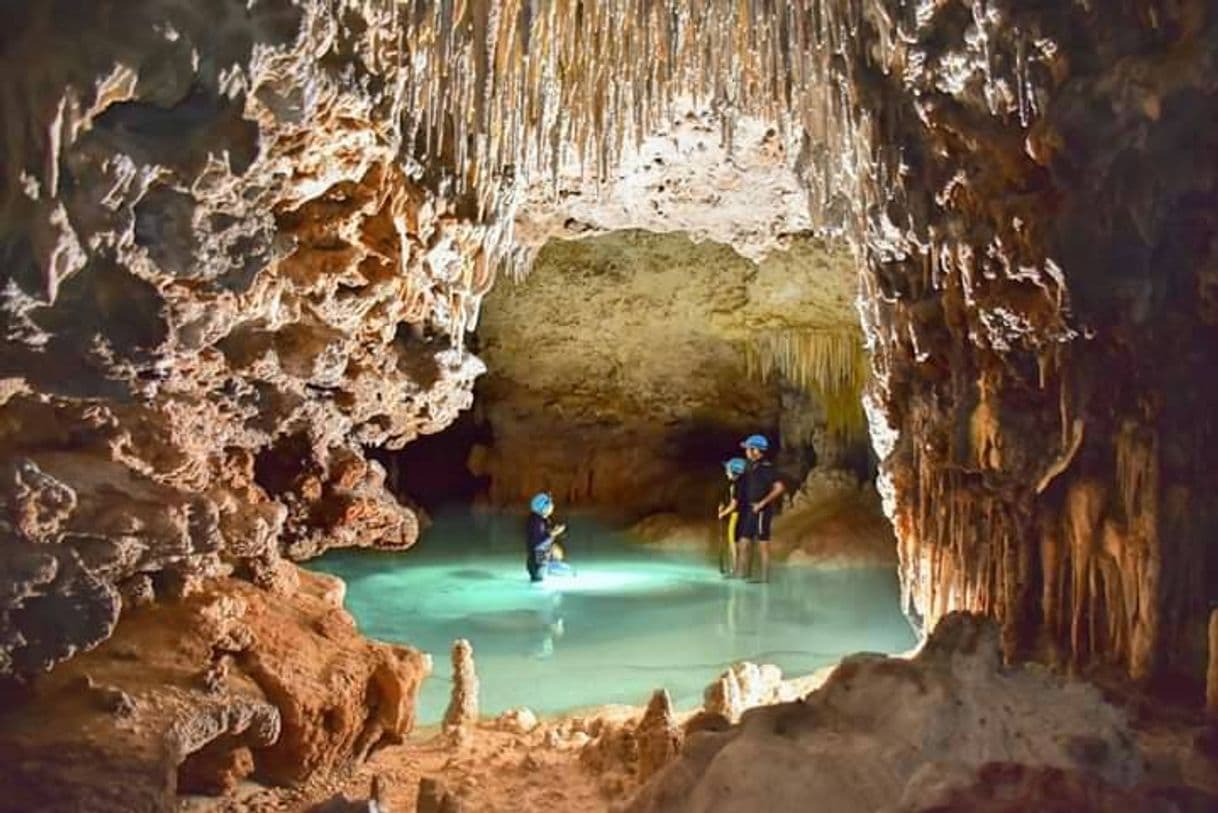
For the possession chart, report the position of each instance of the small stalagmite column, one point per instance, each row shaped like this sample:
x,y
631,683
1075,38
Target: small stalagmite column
x,y
1211,677
659,737
463,705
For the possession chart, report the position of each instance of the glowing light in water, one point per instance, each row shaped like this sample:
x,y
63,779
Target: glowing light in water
x,y
631,618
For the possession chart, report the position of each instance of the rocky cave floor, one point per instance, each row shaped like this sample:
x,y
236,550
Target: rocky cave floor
x,y
500,767
944,729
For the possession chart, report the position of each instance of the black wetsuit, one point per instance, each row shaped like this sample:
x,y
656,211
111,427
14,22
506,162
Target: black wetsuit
x,y
755,484
537,545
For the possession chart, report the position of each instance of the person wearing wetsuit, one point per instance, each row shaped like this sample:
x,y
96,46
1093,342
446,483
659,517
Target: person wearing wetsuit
x,y
540,533
759,488
729,509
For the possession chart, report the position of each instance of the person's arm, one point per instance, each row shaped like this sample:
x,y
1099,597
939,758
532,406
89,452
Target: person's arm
x,y
776,491
728,510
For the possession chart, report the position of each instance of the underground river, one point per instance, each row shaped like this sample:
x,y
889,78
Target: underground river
x,y
632,619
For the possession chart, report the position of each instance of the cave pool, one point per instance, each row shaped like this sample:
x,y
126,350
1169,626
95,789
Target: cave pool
x,y
634,618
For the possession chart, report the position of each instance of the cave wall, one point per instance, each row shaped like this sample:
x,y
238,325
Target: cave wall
x,y
628,366
1039,294
222,275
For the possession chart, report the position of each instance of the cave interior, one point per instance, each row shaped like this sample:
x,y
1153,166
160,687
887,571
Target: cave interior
x,y
290,284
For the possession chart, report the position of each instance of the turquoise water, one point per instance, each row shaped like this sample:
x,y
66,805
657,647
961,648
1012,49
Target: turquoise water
x,y
631,619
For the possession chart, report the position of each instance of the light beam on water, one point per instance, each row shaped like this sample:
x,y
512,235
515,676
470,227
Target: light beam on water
x,y
630,620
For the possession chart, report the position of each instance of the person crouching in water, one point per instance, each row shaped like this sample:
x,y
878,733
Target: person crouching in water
x,y
759,488
729,509
540,533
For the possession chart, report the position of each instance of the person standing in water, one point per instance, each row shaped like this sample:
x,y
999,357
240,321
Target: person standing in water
x,y
729,509
759,488
540,533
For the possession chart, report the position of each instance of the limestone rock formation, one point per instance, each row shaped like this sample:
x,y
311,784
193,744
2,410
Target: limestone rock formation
x,y
462,708
434,797
519,720
375,803
251,235
659,737
1039,297
742,687
1211,677
220,280
620,371
130,725
686,177
1002,787
858,743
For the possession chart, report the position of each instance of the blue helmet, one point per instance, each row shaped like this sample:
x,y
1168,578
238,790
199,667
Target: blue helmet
x,y
755,442
735,466
540,503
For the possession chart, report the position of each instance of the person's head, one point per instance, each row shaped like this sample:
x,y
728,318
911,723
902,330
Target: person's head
x,y
734,467
755,447
542,504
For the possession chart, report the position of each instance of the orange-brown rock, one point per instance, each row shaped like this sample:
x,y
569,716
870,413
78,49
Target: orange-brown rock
x,y
302,691
1003,787
1211,677
462,708
659,737
216,252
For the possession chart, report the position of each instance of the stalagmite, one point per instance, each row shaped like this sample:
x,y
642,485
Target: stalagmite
x,y
462,708
741,687
659,737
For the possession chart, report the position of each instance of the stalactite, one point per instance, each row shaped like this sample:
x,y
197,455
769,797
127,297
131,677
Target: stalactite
x,y
831,365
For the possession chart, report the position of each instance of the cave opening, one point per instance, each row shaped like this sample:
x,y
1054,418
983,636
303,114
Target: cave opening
x,y
622,372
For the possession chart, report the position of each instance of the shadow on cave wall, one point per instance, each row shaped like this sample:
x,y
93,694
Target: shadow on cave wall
x,y
623,471
433,471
